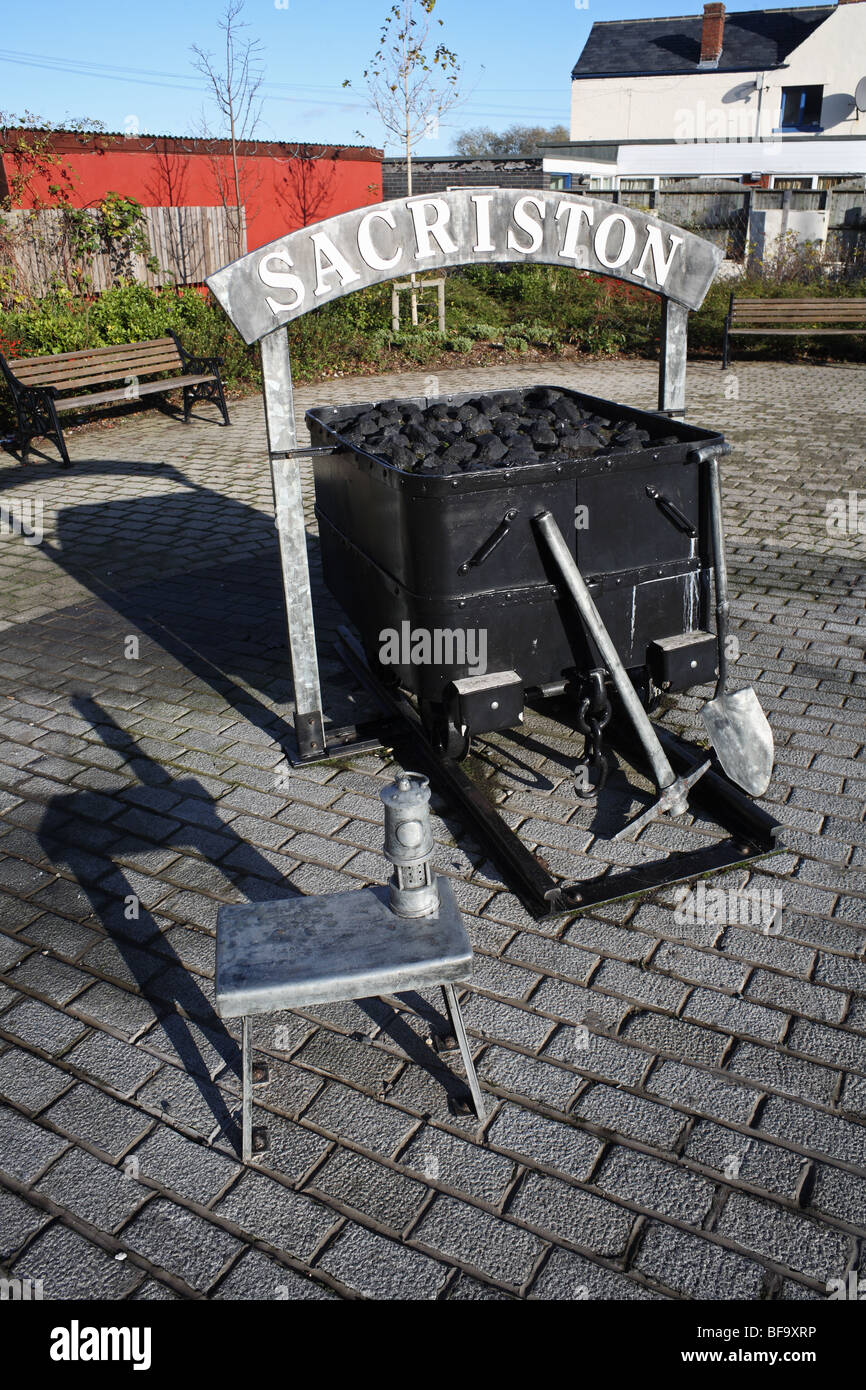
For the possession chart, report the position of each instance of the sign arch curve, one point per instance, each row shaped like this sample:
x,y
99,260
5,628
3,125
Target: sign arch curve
x,y
277,283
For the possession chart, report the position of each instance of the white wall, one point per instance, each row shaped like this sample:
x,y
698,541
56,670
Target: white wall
x,y
717,106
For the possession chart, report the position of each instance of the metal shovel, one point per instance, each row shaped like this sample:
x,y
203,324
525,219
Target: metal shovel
x,y
673,790
735,722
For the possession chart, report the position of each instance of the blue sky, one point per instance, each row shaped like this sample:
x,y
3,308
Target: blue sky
x,y
119,64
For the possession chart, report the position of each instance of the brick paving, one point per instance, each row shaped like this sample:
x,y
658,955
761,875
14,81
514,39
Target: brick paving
x,y
676,1112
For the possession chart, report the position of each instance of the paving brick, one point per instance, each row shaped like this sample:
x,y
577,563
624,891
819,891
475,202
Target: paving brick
x,y
571,1214
478,1239
703,1091
372,1124
549,1142
695,1267
98,1120
494,1020
763,949
64,938
465,1289
620,1112
775,1070
789,1239
381,1269
700,967
258,1278
643,986
118,1064
595,1054
735,1015
181,1242
19,1220
797,996
265,1209
834,1045
71,1267
685,1040
569,1276
814,1130
741,1157
25,1148
457,1164
28,1081
348,1059
95,1191
53,978
528,1076
11,951
387,1197
579,1005
553,957
841,972
655,1186
608,940
186,1168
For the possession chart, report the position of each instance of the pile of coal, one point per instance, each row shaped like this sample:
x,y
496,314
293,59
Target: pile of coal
x,y
498,430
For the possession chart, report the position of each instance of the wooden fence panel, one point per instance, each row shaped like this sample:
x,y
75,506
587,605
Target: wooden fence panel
x,y
188,244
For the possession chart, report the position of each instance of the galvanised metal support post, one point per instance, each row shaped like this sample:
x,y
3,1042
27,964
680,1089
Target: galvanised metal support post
x,y
292,536
672,358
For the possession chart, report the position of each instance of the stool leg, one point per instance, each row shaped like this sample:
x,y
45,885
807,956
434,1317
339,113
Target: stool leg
x,y
247,1092
455,1018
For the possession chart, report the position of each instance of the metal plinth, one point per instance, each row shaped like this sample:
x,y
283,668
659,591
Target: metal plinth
x,y
315,950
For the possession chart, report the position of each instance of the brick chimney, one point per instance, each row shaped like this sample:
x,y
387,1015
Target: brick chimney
x,y
847,2
712,34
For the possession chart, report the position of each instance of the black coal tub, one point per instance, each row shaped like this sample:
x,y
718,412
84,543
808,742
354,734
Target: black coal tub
x,y
441,570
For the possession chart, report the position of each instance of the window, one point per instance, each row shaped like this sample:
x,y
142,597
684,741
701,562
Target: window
x,y
801,108
560,183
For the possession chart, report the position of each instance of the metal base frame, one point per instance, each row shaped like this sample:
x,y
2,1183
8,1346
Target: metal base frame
x,y
348,739
752,831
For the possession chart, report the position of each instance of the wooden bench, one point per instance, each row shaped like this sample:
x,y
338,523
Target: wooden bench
x,y
762,317
39,384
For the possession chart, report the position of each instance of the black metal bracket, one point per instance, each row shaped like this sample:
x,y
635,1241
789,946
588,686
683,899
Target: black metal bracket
x,y
752,831
324,744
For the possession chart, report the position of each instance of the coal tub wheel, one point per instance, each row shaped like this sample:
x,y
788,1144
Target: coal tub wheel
x,y
443,733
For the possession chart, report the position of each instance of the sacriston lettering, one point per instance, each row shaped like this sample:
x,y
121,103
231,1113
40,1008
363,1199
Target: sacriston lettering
x,y
304,269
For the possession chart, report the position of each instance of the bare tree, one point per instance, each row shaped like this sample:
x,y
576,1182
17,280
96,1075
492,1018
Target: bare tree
x,y
517,140
308,182
235,79
410,83
409,86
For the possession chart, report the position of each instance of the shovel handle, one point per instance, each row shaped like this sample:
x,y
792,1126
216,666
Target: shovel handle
x,y
720,569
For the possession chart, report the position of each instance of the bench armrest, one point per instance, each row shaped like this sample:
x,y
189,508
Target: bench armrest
x,y
202,364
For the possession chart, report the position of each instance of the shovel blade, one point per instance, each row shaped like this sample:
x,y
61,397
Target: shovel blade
x,y
741,735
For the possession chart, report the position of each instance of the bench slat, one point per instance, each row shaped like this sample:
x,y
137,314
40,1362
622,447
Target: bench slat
x,y
92,352
802,314
146,388
798,332
67,381
44,374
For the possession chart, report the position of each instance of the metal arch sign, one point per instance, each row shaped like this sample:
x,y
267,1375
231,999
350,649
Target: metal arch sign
x,y
279,282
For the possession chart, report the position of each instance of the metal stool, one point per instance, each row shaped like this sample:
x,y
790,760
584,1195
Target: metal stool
x,y
316,950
